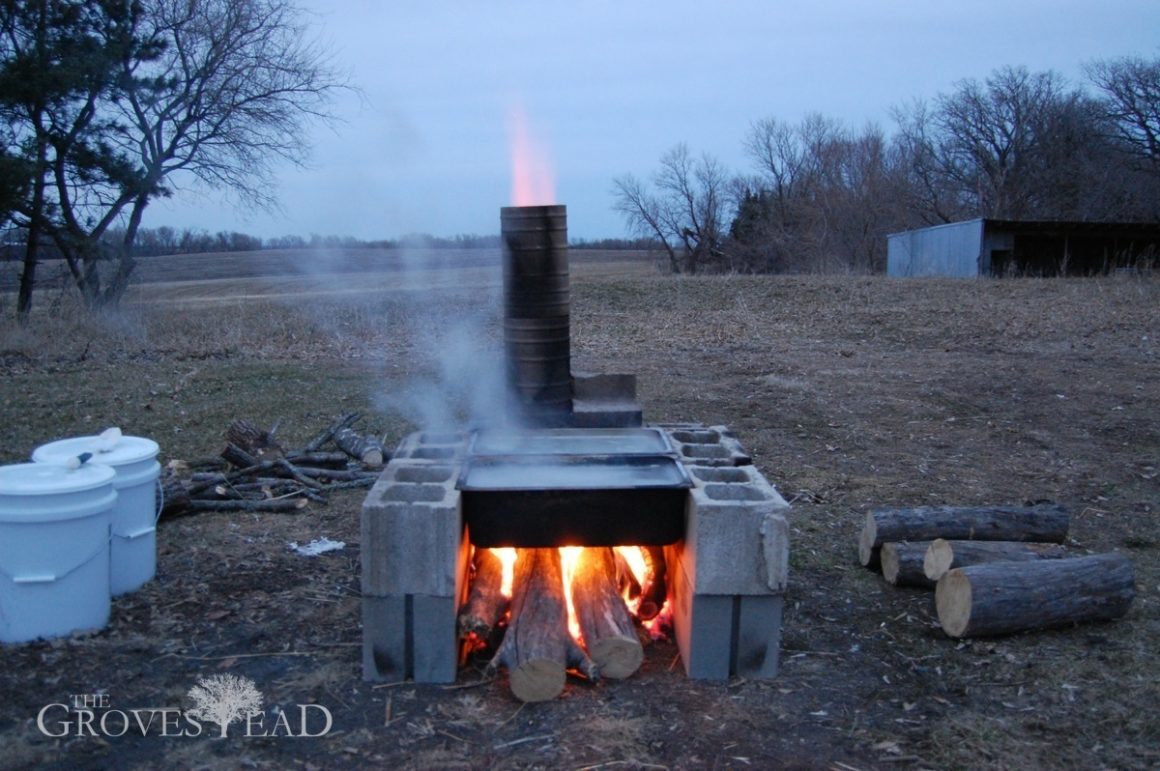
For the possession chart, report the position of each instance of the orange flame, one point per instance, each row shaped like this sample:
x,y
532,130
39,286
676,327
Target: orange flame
x,y
569,556
532,180
507,558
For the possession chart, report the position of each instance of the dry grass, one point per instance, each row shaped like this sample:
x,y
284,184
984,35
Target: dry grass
x,y
850,393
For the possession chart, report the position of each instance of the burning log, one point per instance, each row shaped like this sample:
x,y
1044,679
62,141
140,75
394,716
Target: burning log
x,y
1045,523
605,623
943,555
626,580
1005,597
537,648
486,603
902,564
654,589
366,449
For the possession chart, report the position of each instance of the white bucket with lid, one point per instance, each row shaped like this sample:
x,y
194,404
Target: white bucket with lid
x,y
54,549
133,551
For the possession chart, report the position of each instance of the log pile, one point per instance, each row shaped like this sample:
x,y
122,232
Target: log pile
x,y
995,570
537,649
254,472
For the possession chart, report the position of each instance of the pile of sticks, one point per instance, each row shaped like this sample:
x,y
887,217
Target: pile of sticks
x,y
996,569
255,473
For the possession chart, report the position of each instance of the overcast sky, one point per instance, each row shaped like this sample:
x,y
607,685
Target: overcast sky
x,y
607,87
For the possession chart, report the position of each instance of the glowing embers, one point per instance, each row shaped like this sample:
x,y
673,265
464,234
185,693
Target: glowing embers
x,y
549,610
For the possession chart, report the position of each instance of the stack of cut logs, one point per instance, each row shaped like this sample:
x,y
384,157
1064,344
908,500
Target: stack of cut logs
x,y
537,648
255,473
996,570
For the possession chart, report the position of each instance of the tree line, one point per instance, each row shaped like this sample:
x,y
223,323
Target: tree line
x,y
107,105
820,196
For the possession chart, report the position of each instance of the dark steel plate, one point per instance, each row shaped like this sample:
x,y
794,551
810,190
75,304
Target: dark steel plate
x,y
571,441
539,501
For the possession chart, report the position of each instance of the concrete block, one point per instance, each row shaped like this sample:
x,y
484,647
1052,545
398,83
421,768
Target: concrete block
x,y
438,447
758,630
384,627
729,546
434,640
604,386
703,624
720,636
412,531
707,445
588,413
409,637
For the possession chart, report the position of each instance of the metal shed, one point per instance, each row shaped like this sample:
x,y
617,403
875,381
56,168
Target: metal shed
x,y
993,247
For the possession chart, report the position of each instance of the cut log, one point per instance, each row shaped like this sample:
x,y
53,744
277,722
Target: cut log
x,y
626,581
281,504
485,604
944,555
251,439
174,494
1045,523
605,623
654,588
537,648
1005,597
342,421
902,563
364,448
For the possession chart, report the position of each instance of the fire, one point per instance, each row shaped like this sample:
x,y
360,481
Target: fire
x,y
634,558
569,555
532,179
568,558
507,558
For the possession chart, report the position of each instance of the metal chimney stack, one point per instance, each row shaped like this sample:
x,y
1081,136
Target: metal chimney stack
x,y
537,334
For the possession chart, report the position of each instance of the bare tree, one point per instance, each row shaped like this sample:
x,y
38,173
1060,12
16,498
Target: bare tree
x,y
1130,87
218,91
686,213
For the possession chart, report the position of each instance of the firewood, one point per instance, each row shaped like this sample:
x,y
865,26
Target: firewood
x,y
654,589
1046,523
174,494
318,459
281,504
342,421
238,457
626,581
486,603
364,448
944,555
537,648
902,563
605,623
251,439
1005,597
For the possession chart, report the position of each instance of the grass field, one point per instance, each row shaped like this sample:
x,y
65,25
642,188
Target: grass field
x,y
850,393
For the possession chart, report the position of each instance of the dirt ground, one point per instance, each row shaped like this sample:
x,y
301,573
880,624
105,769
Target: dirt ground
x,y
851,393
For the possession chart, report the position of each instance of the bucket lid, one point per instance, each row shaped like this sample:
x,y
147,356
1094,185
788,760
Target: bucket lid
x,y
48,478
127,449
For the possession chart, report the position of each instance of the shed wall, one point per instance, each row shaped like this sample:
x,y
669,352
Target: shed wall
x,y
954,249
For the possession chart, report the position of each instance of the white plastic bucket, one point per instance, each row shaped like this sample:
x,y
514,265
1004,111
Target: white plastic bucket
x,y
133,551
54,549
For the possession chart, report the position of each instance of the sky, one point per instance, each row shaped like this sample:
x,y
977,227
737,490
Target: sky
x,y
606,88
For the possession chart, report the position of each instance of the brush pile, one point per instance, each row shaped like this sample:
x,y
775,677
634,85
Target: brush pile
x,y
255,473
